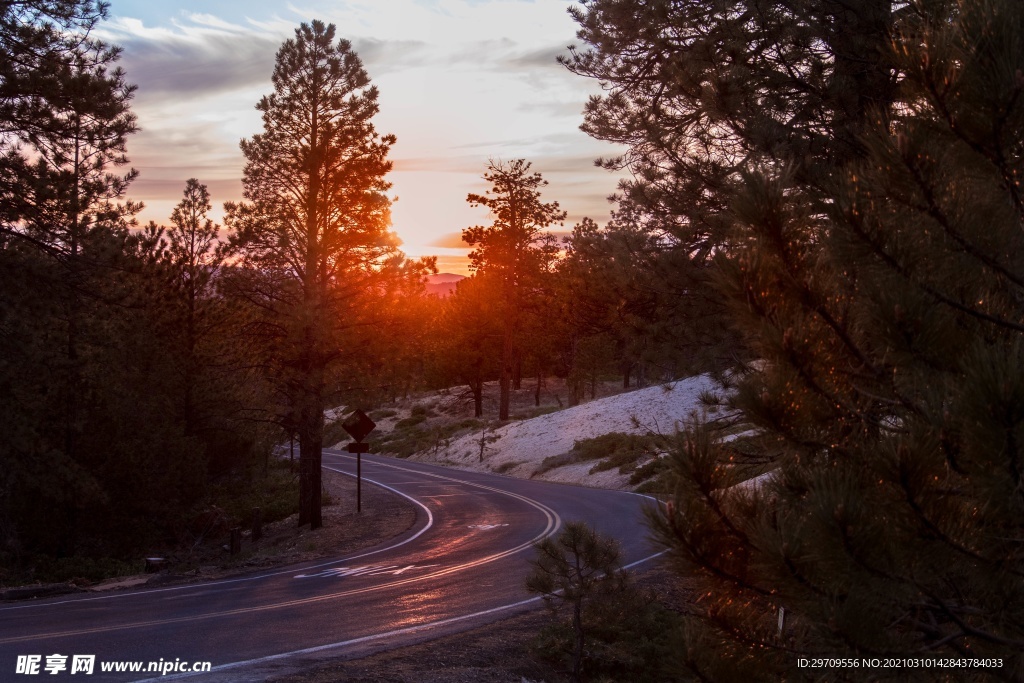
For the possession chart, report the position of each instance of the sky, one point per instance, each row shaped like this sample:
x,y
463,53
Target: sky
x,y
460,81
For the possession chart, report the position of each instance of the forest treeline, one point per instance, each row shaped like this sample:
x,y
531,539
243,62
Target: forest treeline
x,y
823,207
845,178
149,371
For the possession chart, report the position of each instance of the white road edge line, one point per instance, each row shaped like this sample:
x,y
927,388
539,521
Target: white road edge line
x,y
429,524
344,643
554,523
369,638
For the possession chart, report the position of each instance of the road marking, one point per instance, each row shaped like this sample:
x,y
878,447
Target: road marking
x,y
201,586
367,570
345,643
486,527
554,522
376,636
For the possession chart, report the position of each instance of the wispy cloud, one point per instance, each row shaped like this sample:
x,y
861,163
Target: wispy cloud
x,y
203,54
192,61
451,240
384,56
545,57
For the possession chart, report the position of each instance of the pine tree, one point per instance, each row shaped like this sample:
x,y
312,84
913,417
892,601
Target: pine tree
x,y
858,166
699,92
64,122
196,258
469,327
513,251
313,233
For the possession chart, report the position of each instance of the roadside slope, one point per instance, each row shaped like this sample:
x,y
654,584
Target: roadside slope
x,y
519,449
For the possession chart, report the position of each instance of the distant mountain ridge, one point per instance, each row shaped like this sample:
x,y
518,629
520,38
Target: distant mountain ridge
x,y
443,284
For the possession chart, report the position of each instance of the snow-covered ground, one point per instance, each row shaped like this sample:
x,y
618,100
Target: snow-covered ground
x,y
519,448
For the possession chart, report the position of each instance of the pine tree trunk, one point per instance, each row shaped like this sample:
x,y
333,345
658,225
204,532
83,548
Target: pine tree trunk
x,y
505,382
517,371
316,480
305,475
69,536
476,385
311,441
504,401
572,379
314,296
577,625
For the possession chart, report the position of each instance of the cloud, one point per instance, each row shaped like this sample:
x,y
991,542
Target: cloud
x,y
478,52
476,164
544,57
453,264
167,188
205,55
384,56
572,108
464,163
504,54
451,240
193,60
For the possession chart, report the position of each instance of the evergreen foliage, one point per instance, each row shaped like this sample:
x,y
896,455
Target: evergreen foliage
x,y
856,167
470,328
313,241
604,625
117,377
514,253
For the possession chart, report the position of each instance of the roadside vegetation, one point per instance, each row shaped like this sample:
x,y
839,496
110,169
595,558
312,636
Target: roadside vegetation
x,y
602,625
831,226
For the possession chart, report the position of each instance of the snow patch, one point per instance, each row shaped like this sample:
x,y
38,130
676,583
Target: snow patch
x,y
521,447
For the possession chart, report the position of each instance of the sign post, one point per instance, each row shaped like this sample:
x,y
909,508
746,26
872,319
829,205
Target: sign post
x,y
358,425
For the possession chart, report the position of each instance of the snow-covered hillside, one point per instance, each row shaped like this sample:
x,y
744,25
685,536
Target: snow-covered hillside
x,y
518,449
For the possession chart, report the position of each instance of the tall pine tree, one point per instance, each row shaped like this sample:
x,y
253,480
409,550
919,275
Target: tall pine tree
x,y
513,252
64,122
314,232
857,167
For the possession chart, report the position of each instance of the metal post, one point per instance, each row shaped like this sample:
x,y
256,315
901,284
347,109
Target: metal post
x,y
257,524
358,425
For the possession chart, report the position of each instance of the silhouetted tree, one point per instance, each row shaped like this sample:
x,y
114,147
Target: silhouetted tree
x,y
700,93
195,256
513,251
861,167
64,122
312,237
469,327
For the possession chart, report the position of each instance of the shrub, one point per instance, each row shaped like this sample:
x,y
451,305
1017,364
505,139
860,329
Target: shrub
x,y
618,449
602,623
411,421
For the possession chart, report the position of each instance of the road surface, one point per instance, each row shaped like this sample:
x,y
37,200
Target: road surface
x,y
462,564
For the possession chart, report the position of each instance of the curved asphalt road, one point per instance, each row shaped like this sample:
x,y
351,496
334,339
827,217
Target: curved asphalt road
x,y
463,563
